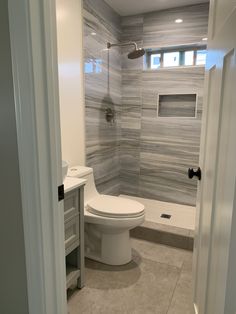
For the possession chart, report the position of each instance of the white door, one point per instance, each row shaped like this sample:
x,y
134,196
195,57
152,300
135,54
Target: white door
x,y
215,240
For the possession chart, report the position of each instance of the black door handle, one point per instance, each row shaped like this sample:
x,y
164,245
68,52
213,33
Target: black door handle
x,y
192,173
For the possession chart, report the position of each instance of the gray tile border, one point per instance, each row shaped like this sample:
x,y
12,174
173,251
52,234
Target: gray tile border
x,y
163,234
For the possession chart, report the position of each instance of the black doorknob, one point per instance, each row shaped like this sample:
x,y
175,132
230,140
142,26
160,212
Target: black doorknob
x,y
192,173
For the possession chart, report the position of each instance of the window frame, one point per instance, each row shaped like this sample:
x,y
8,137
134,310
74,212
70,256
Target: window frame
x,y
181,51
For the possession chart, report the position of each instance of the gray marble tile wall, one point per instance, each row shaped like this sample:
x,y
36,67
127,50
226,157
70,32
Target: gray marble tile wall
x,y
169,145
132,30
131,131
141,154
159,29
102,91
156,152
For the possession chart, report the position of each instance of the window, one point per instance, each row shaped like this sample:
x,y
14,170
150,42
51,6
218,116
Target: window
x,y
93,66
155,61
171,59
201,57
187,56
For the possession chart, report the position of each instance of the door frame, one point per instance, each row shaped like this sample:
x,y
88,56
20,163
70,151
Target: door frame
x,y
205,235
35,77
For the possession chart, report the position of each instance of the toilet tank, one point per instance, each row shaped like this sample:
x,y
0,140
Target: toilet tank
x,y
86,173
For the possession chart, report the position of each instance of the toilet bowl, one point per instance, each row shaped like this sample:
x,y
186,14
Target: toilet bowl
x,y
108,220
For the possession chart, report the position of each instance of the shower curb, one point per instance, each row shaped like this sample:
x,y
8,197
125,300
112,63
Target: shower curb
x,y
165,234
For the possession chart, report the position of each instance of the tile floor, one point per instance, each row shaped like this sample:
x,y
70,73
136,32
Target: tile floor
x,y
158,280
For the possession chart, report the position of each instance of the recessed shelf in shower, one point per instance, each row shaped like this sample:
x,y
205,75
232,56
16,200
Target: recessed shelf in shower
x,y
177,105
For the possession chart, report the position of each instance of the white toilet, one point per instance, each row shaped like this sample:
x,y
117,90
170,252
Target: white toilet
x,y
108,220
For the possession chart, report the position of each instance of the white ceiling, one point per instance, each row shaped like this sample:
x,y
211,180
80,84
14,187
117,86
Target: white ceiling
x,y
132,7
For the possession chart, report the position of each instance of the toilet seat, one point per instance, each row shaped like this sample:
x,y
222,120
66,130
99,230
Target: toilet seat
x,y
115,207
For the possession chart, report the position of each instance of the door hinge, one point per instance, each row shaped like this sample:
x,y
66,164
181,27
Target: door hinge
x,y
61,193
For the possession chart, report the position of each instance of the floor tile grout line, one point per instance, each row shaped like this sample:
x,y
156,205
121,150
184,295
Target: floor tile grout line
x,y
177,281
162,263
173,286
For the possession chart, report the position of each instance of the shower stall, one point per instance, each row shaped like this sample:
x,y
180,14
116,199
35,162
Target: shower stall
x,y
145,150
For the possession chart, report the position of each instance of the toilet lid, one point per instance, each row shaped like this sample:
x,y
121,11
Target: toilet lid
x,y
115,207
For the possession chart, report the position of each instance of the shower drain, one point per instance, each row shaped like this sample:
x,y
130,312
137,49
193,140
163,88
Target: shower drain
x,y
166,216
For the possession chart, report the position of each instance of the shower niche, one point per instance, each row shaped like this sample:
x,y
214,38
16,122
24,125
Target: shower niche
x,y
177,105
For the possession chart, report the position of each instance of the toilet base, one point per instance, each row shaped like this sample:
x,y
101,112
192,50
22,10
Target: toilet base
x,y
116,248
107,247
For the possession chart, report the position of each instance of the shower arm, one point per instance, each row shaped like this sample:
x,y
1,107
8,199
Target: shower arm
x,y
131,43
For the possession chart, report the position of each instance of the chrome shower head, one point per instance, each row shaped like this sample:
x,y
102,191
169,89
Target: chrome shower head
x,y
136,53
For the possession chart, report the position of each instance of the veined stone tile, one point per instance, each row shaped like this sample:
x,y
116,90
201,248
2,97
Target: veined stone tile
x,y
102,91
129,182
160,29
132,28
145,154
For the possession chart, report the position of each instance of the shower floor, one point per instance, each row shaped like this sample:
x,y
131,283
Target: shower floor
x,y
182,216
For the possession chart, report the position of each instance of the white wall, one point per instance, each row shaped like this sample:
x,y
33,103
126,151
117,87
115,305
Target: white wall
x,y
70,56
13,282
